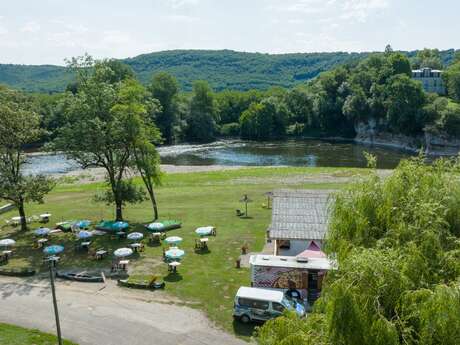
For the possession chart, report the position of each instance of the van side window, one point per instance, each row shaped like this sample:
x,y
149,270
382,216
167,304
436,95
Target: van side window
x,y
251,303
260,305
278,307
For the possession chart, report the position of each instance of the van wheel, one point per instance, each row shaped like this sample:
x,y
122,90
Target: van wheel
x,y
245,319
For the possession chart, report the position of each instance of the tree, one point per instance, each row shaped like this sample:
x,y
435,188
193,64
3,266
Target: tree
x,y
98,133
263,121
451,77
428,58
404,101
201,122
142,134
299,102
19,126
400,64
397,243
164,88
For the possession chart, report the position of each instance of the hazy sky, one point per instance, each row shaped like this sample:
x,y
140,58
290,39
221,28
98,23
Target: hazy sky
x,y
47,31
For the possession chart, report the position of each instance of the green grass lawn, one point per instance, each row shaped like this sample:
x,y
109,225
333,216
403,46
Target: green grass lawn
x,y
206,281
14,335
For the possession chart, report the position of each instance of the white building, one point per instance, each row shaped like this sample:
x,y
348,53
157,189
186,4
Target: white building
x,y
431,80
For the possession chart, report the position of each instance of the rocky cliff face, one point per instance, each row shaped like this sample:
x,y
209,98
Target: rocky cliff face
x,y
432,144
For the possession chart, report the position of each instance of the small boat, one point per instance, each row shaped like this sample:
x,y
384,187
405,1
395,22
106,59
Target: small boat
x,y
165,225
80,277
141,284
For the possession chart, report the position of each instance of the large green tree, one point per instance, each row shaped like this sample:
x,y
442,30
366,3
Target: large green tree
x,y
19,126
142,134
101,119
404,101
165,88
201,120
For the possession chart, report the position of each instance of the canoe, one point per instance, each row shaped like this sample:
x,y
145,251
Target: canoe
x,y
168,225
85,278
65,226
110,226
141,284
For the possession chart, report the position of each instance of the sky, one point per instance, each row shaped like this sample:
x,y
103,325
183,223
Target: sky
x,y
48,31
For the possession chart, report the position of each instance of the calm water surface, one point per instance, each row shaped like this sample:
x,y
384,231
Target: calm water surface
x,y
236,152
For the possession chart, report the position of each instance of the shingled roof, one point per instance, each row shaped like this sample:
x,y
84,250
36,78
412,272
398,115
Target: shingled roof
x,y
299,214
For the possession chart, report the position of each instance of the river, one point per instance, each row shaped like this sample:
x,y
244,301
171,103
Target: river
x,y
309,153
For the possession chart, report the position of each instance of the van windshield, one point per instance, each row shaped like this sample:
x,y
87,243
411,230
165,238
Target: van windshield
x,y
288,304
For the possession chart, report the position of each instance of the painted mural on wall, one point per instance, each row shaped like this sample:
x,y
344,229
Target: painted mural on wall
x,y
279,277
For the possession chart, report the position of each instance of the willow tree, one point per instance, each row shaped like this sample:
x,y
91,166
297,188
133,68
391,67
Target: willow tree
x,y
19,126
397,240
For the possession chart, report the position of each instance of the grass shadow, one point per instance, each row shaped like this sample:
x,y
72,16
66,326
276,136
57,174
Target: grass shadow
x,y
173,277
244,329
202,251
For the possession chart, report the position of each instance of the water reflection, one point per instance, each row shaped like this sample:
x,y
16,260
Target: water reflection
x,y
291,153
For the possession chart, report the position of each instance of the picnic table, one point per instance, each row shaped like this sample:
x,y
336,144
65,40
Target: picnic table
x,y
202,243
41,242
5,256
15,220
121,234
172,266
45,217
122,264
100,254
155,237
85,245
136,246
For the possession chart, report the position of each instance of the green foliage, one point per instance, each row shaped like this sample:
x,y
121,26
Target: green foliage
x,y
19,126
452,79
201,121
224,69
126,190
164,88
265,120
404,102
428,58
106,121
398,249
230,129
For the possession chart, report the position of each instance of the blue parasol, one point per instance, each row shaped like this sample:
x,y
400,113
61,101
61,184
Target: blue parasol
x,y
53,250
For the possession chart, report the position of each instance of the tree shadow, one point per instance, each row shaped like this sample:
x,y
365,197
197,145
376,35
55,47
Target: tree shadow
x,y
173,277
204,251
244,329
246,217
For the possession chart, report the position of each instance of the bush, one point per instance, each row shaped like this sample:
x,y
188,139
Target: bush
x,y
450,120
230,129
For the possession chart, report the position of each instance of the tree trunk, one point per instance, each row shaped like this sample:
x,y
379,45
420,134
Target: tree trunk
x,y
118,210
22,214
154,205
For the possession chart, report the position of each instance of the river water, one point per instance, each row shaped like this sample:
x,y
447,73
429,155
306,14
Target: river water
x,y
308,153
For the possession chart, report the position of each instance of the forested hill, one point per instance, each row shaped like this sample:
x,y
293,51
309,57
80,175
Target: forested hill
x,y
223,69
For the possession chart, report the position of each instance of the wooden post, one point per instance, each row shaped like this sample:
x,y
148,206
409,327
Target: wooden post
x,y
53,291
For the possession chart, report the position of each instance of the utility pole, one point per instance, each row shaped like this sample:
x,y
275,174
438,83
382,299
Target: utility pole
x,y
51,261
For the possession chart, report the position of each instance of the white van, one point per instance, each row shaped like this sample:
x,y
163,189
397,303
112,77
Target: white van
x,y
256,304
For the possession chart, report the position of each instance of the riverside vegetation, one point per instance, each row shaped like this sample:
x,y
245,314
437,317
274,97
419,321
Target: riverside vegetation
x,y
375,89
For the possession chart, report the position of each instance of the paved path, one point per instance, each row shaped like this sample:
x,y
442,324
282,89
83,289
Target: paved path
x,y
94,314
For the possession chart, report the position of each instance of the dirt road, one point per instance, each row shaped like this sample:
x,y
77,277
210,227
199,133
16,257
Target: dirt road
x,y
98,314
